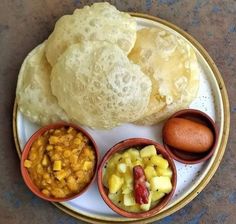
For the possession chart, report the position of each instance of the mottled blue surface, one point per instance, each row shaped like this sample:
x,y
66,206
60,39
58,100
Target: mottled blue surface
x,y
167,2
232,28
148,4
197,218
216,9
232,198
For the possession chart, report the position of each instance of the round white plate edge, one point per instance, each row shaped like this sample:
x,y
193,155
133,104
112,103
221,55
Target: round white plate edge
x,y
220,134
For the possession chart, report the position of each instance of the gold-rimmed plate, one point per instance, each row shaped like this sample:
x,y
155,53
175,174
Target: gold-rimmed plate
x,y
212,99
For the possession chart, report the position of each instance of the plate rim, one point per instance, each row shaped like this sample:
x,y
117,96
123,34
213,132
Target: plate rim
x,y
216,162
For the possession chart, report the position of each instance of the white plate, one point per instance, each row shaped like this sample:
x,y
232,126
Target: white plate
x,y
209,100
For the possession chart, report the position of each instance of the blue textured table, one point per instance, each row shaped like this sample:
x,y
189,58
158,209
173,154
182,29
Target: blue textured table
x,y
25,23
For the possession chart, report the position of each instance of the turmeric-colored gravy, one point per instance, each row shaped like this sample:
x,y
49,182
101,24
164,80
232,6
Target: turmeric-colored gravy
x,y
61,162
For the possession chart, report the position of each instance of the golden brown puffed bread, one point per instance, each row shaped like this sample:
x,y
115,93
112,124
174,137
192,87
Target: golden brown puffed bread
x,y
97,85
33,92
171,64
101,21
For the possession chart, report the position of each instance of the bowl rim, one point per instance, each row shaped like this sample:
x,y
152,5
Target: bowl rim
x,y
214,128
120,146
24,172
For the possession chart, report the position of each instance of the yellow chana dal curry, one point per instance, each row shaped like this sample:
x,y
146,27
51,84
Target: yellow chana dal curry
x,y
61,162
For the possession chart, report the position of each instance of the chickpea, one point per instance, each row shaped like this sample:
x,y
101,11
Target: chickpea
x,y
61,162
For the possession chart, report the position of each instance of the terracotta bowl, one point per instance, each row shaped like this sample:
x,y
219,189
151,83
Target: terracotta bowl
x,y
134,142
27,148
189,157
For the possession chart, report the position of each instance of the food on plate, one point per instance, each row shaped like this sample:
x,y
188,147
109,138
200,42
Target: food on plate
x,y
98,86
137,178
33,93
171,64
61,162
82,73
101,21
141,192
187,135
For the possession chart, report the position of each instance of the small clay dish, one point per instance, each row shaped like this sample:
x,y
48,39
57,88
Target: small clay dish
x,y
191,157
26,176
139,143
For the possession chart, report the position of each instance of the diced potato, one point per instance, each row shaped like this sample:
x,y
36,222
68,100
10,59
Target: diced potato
x,y
46,192
128,177
60,175
41,149
126,155
76,167
126,189
107,172
45,160
74,159
53,140
117,198
66,139
56,156
32,156
129,200
121,167
49,147
33,149
128,161
162,184
58,193
114,160
27,163
39,169
79,135
146,161
146,207
58,148
57,165
157,195
66,153
134,208
72,184
138,163
91,155
87,165
44,183
148,151
134,154
57,132
46,176
154,183
39,141
159,161
71,179
49,181
77,141
114,183
70,129
150,172
80,175
164,172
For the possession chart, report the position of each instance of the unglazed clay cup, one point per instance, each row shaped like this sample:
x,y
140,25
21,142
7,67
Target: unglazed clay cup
x,y
24,171
191,157
126,144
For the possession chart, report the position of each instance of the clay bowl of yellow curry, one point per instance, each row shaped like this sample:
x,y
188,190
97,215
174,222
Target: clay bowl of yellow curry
x,y
59,162
137,178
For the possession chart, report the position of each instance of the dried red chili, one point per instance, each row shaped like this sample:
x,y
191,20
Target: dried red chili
x,y
141,192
